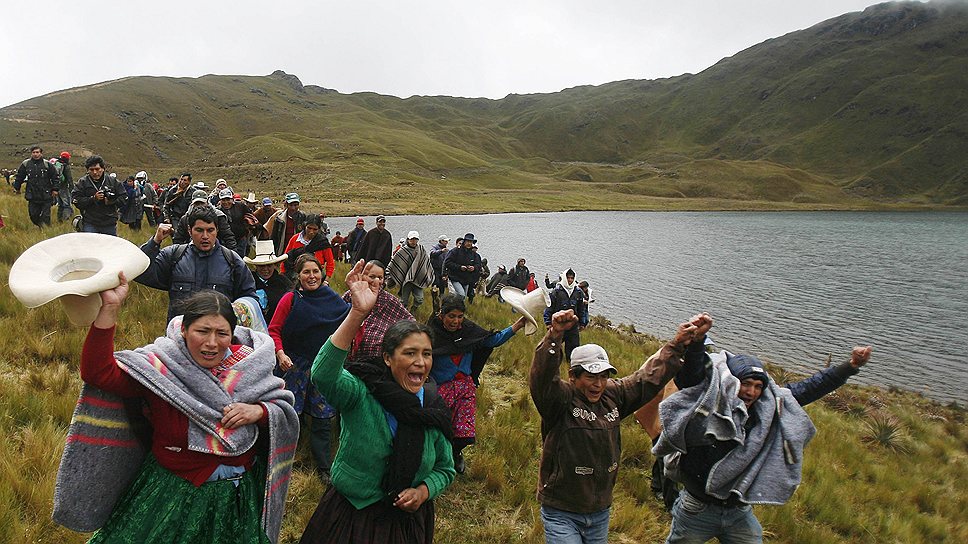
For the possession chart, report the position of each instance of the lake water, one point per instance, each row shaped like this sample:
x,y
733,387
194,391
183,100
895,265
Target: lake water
x,y
789,287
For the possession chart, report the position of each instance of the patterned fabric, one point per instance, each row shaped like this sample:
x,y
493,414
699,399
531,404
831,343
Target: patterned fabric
x,y
387,311
460,395
229,362
336,521
308,398
248,311
102,455
161,507
411,265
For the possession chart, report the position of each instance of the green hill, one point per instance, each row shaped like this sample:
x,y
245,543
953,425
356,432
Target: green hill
x,y
864,110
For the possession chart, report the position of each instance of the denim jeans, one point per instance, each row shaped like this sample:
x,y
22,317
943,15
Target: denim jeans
x,y
563,527
458,288
694,522
106,229
410,289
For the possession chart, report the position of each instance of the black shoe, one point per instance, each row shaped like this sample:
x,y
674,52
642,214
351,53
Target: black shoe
x,y
459,465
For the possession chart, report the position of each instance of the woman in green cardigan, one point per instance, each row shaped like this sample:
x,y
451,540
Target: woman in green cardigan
x,y
394,452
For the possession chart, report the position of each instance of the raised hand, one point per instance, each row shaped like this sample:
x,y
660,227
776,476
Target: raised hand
x,y
362,293
859,356
563,321
111,300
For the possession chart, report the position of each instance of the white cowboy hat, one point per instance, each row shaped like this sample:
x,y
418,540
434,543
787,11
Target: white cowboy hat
x,y
75,267
528,305
265,254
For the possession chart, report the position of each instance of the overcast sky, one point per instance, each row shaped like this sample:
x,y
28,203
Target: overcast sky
x,y
402,47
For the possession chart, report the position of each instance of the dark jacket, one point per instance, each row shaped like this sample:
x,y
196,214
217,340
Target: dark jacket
x,y
225,236
273,289
67,184
377,244
236,219
561,300
581,442
100,213
41,178
459,257
355,239
176,204
218,269
695,464
519,276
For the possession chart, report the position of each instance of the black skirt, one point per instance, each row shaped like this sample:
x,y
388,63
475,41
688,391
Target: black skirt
x,y
337,521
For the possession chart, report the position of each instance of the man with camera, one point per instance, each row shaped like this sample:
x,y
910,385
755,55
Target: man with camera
x,y
98,198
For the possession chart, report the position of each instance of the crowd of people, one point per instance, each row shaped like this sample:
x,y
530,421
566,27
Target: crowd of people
x,y
226,402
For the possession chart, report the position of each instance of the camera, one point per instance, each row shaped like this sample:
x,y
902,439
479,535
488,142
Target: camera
x,y
108,193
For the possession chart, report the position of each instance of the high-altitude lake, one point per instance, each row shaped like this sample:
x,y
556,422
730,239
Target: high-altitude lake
x,y
789,287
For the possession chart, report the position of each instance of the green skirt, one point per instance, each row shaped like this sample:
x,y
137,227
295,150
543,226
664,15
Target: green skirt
x,y
161,507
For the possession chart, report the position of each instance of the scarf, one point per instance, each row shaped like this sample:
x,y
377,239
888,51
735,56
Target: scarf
x,y
412,422
314,316
368,343
568,287
103,454
318,243
766,465
411,265
469,338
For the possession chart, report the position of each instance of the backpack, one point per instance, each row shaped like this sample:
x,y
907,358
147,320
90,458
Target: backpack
x,y
59,167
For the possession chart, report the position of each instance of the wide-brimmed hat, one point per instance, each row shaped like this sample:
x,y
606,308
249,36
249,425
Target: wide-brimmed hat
x,y
75,267
265,253
527,304
251,198
470,237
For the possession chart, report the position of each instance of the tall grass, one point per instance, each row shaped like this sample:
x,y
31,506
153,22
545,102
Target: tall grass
x,y
853,490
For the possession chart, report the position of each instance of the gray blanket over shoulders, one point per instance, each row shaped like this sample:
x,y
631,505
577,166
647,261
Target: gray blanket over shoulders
x,y
766,465
103,456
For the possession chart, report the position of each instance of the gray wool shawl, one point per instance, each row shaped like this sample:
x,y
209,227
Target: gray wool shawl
x,y
766,465
411,265
103,456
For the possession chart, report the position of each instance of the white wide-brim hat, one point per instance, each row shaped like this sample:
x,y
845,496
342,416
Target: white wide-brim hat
x,y
75,267
528,305
265,253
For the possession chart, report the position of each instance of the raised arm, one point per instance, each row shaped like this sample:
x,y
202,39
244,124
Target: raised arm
x,y
829,379
544,379
98,366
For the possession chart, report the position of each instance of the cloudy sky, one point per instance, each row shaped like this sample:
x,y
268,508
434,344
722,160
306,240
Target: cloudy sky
x,y
402,48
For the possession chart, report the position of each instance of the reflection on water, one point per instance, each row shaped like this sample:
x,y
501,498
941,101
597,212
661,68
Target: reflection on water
x,y
790,287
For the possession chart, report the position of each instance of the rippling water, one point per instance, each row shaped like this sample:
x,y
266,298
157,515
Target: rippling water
x,y
790,287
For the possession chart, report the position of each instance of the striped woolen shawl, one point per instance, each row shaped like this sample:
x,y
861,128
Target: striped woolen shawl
x,y
411,265
103,454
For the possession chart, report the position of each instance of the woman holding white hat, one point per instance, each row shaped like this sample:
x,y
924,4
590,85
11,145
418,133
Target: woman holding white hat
x,y
210,394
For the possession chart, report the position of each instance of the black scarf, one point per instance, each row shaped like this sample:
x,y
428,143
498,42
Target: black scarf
x,y
469,337
318,243
412,422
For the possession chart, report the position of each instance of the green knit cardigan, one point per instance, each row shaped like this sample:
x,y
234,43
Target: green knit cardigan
x,y
365,443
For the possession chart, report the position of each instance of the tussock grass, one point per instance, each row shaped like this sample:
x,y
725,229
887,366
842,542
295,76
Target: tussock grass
x,y
853,491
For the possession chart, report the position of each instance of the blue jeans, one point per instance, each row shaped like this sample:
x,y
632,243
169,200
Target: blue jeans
x,y
563,527
694,522
459,288
106,229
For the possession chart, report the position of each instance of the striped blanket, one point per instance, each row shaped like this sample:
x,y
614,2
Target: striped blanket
x,y
410,265
103,454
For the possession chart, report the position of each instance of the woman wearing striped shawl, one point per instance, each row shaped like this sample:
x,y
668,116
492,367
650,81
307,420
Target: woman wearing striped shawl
x,y
214,465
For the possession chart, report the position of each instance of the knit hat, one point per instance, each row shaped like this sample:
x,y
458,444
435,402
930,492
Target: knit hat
x,y
359,220
746,366
65,155
592,358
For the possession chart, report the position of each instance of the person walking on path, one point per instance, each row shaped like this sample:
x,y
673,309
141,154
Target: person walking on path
x,y
519,276
394,455
64,187
463,266
305,317
42,185
99,197
354,239
438,255
567,296
377,244
733,438
286,223
410,268
461,349
580,424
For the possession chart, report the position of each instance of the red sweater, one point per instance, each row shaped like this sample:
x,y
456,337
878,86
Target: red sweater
x,y
279,319
169,442
324,256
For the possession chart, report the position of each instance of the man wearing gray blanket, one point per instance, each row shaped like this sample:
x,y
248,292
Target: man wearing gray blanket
x,y
735,438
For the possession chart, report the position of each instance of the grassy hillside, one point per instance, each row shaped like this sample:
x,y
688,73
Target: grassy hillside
x,y
885,466
866,109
